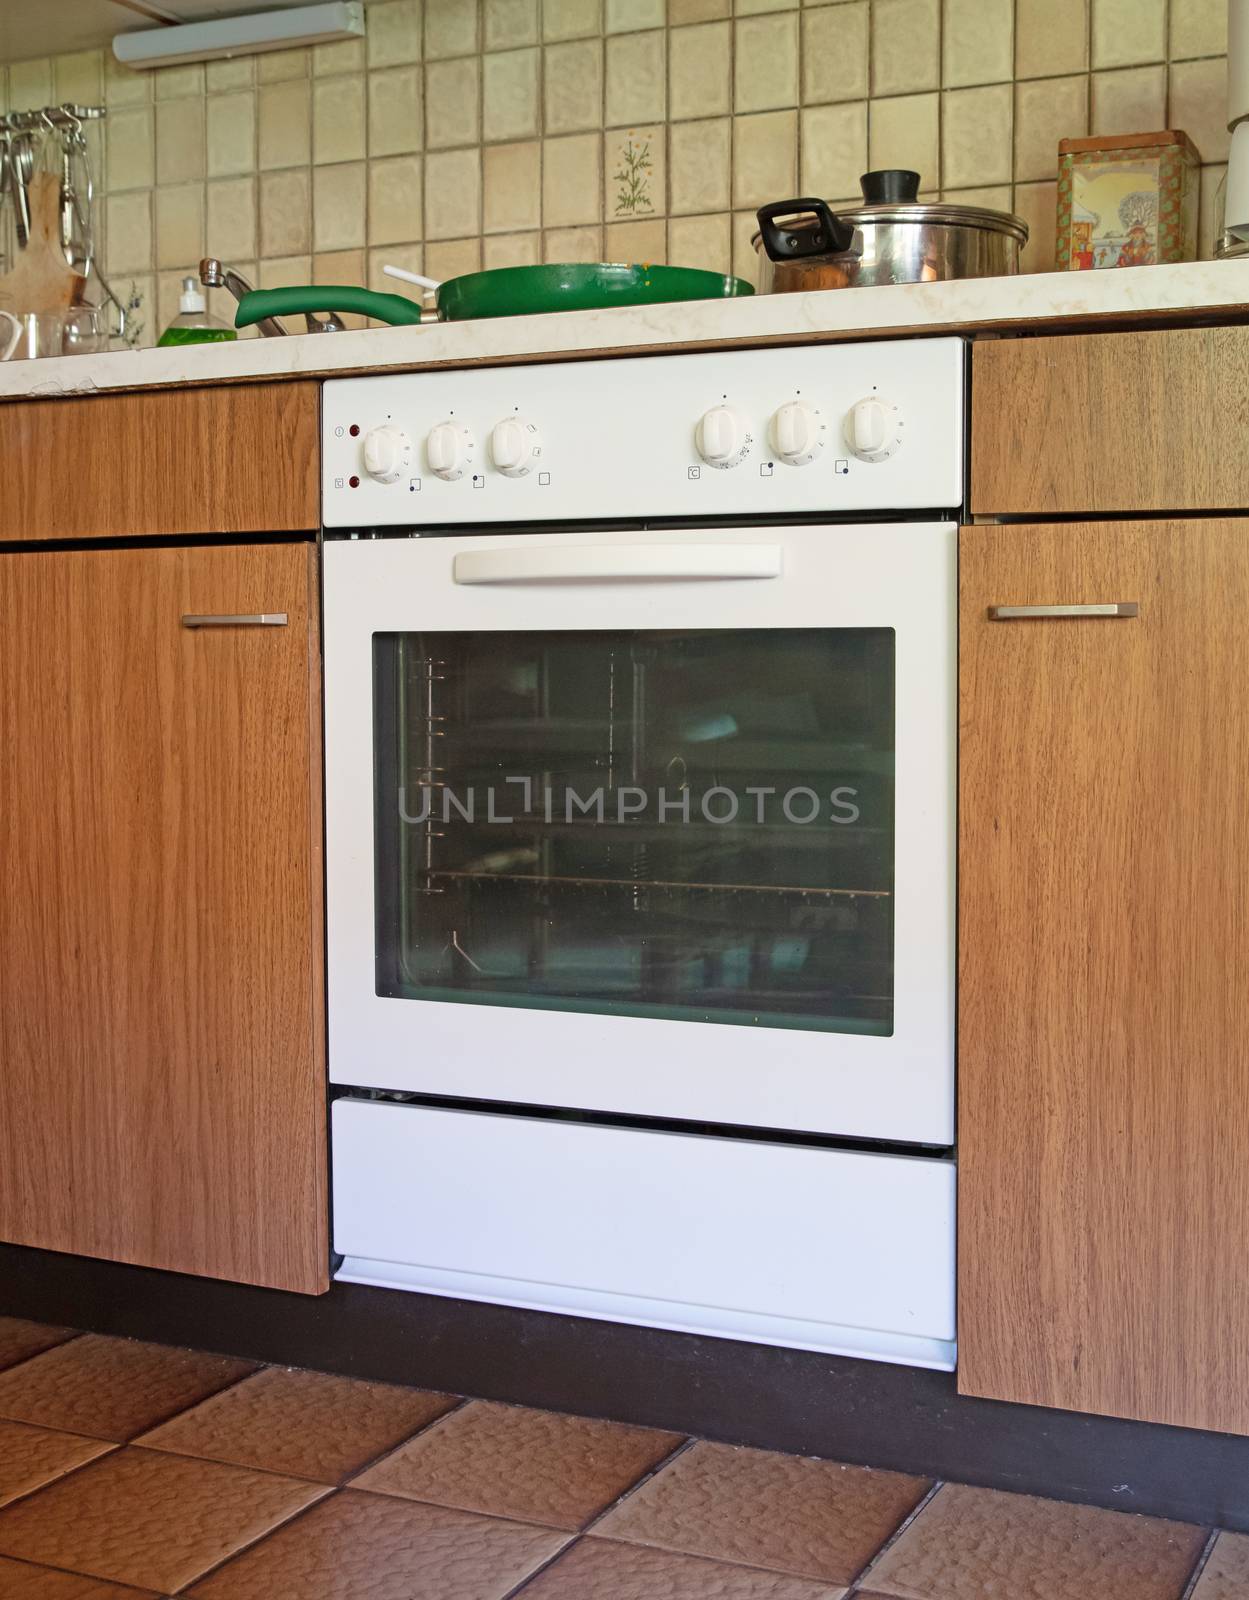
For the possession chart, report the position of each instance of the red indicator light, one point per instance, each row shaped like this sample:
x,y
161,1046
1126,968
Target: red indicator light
x,y
353,483
354,430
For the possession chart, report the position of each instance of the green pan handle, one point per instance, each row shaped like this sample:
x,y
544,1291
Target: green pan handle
x,y
261,303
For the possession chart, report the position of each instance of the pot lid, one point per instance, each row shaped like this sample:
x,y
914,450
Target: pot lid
x,y
948,215
890,195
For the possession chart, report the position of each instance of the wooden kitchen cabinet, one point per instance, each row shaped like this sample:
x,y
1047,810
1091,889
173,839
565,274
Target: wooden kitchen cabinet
x,y
162,1087
1104,972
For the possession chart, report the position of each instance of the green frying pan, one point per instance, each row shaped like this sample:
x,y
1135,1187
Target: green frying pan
x,y
504,292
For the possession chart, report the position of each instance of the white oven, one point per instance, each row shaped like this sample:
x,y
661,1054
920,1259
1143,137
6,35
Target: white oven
x,y
640,810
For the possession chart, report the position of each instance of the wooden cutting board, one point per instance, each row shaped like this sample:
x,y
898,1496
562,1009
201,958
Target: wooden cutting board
x,y
41,279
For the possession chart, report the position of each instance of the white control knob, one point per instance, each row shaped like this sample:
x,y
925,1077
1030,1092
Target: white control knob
x,y
449,449
387,454
515,445
722,438
873,429
797,434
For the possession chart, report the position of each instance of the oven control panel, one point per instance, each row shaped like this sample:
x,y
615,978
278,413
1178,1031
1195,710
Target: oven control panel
x,y
822,429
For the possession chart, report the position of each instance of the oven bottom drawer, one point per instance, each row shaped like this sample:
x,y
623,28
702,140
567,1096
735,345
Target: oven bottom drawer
x,y
825,1250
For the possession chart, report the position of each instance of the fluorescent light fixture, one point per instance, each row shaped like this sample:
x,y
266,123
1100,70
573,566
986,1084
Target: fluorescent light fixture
x,y
241,36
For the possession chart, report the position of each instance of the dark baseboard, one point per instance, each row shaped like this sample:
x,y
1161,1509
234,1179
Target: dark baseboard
x,y
860,1411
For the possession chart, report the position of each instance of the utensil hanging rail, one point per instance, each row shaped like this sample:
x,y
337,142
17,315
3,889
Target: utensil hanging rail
x,y
62,116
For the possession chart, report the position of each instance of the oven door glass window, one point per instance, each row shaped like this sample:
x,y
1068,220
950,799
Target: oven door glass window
x,y
694,825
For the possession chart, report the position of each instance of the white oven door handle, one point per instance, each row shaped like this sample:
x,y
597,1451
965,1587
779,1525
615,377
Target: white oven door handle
x,y
616,563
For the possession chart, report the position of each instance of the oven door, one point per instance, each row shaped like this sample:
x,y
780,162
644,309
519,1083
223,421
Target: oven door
x,y
654,824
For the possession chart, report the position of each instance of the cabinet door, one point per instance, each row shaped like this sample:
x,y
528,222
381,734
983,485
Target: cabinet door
x,y
1104,972
162,1093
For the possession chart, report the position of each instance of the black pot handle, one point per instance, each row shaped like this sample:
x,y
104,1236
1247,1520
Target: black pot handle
x,y
890,186
831,236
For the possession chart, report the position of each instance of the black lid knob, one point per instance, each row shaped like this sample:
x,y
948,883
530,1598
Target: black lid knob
x,y
890,186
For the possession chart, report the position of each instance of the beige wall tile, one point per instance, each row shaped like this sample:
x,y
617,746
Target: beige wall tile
x,y
409,256
573,86
645,242
902,132
699,170
1128,32
128,219
1037,204
396,117
834,53
338,207
510,23
179,224
331,60
765,157
451,28
394,33
222,76
905,46
278,66
745,256
177,83
834,150
285,123
1130,101
572,185
511,187
700,70
4,88
1199,105
994,197
573,244
122,85
705,242
635,172
1047,110
754,8
131,161
79,77
452,103
342,267
1211,213
179,140
765,72
511,250
977,42
510,101
1051,37
571,19
231,120
452,258
30,84
976,136
681,12
632,16
338,119
452,194
286,212
1198,28
636,89
396,211
231,219
284,272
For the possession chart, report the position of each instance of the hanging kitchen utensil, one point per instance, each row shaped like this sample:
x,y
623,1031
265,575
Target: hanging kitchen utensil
x,y
505,292
40,279
890,238
22,163
77,194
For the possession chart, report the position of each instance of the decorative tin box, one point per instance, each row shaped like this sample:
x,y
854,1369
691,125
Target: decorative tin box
x,y
1127,201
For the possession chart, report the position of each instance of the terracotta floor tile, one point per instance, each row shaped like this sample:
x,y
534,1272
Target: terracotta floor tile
x,y
147,1519
814,1519
971,1543
600,1569
509,1461
307,1424
112,1388
1226,1575
30,1457
20,1581
19,1339
370,1547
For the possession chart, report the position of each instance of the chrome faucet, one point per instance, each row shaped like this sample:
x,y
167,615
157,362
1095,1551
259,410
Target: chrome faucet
x,y
214,276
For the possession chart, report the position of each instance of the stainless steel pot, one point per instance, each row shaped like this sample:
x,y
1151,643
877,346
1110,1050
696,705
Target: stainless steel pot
x,y
890,238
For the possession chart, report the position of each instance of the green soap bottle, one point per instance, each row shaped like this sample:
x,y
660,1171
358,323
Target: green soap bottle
x,y
193,325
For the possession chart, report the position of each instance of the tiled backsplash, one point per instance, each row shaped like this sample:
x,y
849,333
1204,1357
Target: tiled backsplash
x,y
469,133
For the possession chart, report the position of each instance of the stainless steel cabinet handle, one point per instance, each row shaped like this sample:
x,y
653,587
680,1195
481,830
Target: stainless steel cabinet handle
x,y
1123,608
258,619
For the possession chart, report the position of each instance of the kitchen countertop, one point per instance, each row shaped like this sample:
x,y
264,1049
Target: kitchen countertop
x,y
1215,291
